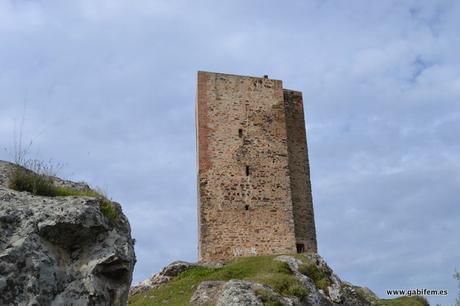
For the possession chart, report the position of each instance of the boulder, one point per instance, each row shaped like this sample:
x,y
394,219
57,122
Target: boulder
x,y
61,250
324,286
237,292
317,285
162,277
207,293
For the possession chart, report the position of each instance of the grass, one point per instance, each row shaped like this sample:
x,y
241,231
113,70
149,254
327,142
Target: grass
x,y
364,295
404,301
321,276
267,298
261,269
22,179
42,184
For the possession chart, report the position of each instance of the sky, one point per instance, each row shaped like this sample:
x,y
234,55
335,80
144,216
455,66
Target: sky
x,y
106,88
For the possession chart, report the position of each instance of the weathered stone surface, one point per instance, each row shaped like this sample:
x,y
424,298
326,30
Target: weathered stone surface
x,y
176,268
254,184
207,293
236,293
299,171
338,293
315,296
164,276
61,250
248,293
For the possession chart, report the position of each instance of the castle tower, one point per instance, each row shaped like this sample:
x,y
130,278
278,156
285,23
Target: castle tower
x,y
254,191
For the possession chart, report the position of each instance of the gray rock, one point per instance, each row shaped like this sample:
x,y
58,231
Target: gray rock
x,y
61,250
293,263
207,293
162,277
338,293
315,296
332,291
175,268
238,293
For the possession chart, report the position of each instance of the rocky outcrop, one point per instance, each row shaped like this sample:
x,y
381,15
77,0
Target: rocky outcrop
x,y
324,287
207,293
169,272
162,277
289,280
245,293
238,293
61,250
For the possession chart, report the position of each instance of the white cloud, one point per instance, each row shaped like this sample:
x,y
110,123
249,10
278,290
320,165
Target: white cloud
x,y
20,15
112,86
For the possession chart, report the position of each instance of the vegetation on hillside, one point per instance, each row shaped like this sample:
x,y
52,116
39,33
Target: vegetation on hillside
x,y
404,301
37,178
260,269
320,276
457,277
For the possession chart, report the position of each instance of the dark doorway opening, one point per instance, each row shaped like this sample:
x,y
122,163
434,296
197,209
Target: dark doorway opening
x,y
246,207
247,170
300,248
240,132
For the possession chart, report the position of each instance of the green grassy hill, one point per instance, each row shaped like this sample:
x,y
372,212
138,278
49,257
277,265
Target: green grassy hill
x,y
261,269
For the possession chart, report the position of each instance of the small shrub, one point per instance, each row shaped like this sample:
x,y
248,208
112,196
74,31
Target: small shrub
x,y
267,298
280,283
283,267
298,291
319,275
362,295
404,301
22,179
285,285
109,210
36,177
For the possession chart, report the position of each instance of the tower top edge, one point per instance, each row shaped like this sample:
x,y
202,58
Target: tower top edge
x,y
235,75
292,91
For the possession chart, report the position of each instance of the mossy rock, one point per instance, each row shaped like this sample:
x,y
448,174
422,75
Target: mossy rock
x,y
321,276
23,179
260,269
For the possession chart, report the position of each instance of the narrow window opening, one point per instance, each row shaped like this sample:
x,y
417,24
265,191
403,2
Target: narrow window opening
x,y
240,132
246,207
300,248
247,170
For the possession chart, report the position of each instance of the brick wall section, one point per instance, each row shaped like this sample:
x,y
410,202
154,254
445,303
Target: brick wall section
x,y
299,171
245,205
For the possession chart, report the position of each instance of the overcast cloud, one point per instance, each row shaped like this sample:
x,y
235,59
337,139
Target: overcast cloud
x,y
108,89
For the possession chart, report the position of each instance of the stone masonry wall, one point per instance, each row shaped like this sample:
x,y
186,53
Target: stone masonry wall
x,y
299,172
245,204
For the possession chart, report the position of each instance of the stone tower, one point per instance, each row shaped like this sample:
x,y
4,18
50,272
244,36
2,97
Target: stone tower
x,y
254,191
